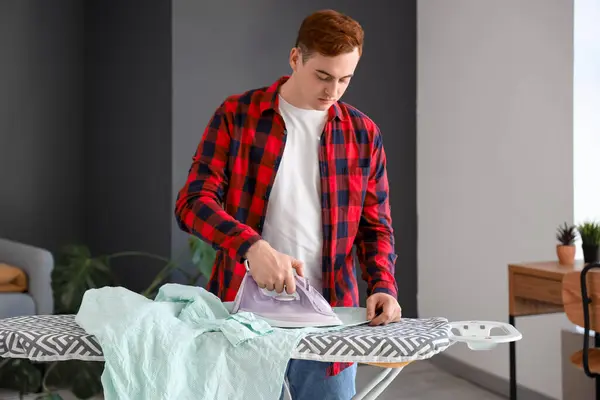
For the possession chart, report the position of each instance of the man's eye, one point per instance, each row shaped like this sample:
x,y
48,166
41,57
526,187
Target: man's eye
x,y
323,79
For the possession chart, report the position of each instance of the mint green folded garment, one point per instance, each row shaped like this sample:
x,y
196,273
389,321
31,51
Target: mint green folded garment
x,y
184,345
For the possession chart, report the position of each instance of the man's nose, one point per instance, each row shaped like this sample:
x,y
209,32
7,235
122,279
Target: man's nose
x,y
333,89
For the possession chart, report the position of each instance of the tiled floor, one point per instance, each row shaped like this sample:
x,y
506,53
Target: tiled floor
x,y
423,381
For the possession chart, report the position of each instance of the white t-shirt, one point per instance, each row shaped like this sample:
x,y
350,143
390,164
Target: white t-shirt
x,y
293,218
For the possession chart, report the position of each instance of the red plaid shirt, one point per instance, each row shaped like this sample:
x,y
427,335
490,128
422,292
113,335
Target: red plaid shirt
x,y
225,197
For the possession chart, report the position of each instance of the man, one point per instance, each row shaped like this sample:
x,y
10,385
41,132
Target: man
x,y
288,177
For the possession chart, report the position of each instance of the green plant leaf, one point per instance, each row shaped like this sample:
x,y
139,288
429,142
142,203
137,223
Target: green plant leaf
x,y
203,255
75,251
589,231
20,374
88,381
83,378
76,272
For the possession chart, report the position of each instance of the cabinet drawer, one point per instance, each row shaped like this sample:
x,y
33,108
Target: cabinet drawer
x,y
536,288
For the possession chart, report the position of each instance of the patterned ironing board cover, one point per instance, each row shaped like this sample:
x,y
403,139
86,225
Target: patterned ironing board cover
x,y
58,337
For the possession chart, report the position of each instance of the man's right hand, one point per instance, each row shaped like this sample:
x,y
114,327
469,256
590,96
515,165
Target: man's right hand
x,y
271,269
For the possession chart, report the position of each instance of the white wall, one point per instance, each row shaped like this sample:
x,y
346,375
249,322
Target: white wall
x,y
495,165
586,116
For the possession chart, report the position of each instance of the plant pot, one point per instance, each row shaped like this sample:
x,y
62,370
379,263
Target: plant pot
x,y
591,253
566,254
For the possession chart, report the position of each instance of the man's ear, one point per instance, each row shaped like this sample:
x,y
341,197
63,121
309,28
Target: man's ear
x,y
295,58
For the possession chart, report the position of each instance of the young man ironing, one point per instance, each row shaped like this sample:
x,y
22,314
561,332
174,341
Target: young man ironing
x,y
289,177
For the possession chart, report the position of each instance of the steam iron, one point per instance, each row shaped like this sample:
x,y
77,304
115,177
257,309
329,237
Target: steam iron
x,y
306,307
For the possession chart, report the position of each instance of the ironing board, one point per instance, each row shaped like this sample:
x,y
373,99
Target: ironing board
x,y
49,338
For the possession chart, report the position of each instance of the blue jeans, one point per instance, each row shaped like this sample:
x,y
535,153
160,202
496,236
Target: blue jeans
x,y
308,380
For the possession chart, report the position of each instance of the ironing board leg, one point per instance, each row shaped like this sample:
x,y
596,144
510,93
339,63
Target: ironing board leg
x,y
378,384
288,393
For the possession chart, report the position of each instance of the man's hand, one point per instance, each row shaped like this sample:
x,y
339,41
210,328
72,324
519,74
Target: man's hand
x,y
383,309
271,269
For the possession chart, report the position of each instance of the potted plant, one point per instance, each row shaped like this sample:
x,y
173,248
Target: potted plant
x,y
565,249
589,232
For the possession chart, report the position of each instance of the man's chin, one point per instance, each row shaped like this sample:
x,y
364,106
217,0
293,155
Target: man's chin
x,y
323,105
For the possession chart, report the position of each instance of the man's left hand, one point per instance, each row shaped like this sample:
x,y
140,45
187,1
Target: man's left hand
x,y
383,309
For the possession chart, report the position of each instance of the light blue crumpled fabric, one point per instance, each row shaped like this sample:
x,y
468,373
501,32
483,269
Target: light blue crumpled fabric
x,y
183,345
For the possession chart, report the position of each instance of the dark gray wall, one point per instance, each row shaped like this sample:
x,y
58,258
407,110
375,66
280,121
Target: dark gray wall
x,y
128,133
41,121
107,174
85,127
225,48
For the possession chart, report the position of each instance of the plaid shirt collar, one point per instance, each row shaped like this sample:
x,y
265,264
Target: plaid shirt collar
x,y
270,100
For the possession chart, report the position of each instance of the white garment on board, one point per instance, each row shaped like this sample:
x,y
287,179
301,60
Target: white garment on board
x,y
293,222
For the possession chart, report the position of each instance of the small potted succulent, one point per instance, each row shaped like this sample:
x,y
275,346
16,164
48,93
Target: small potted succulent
x,y
565,249
589,232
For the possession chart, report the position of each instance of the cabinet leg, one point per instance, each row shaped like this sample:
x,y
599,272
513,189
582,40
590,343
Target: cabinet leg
x,y
513,363
597,378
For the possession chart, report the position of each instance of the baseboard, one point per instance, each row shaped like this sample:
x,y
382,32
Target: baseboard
x,y
484,379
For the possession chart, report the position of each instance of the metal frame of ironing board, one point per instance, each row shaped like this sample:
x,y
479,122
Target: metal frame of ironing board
x,y
372,390
379,383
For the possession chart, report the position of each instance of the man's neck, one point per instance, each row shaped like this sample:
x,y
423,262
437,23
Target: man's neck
x,y
290,95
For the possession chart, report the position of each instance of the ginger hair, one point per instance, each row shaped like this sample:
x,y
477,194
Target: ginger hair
x,y
329,33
